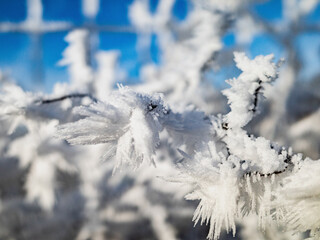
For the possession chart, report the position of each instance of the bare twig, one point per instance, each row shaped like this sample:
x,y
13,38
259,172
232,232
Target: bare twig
x,y
76,95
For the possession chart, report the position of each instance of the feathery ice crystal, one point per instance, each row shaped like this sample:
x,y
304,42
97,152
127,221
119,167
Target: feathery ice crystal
x,y
128,123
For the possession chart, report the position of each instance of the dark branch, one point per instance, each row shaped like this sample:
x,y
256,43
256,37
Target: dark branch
x,y
76,95
287,160
255,104
152,106
256,94
265,175
225,126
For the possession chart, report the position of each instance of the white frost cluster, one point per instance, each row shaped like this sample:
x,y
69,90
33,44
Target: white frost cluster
x,y
233,174
38,155
216,186
128,122
16,106
299,196
238,174
245,89
76,56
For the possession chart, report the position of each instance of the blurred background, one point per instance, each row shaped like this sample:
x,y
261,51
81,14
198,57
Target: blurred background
x,y
30,53
32,36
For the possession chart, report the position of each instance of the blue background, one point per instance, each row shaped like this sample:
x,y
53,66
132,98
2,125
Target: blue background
x,y
16,48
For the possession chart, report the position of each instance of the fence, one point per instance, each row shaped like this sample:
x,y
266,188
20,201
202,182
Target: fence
x,y
35,26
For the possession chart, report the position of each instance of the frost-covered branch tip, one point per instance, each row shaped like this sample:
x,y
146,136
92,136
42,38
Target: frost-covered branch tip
x,y
129,124
244,92
230,186
235,174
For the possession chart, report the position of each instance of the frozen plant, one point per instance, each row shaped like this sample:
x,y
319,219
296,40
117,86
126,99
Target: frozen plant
x,y
167,136
128,122
233,174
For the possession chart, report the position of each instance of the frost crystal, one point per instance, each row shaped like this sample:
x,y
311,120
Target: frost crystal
x,y
128,122
216,184
243,94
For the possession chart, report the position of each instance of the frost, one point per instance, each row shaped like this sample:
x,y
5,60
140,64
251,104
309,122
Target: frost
x,y
129,122
244,91
218,201
90,8
106,73
17,105
232,166
76,57
298,198
232,173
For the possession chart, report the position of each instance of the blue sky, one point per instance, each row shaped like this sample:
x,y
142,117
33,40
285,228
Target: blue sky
x,y
16,48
